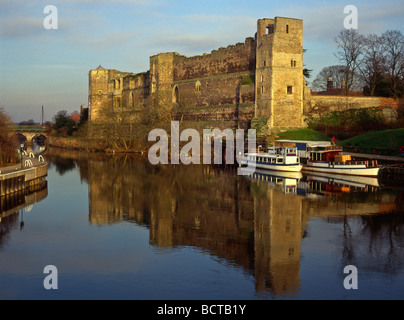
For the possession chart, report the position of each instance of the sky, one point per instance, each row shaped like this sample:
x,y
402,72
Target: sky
x,y
49,67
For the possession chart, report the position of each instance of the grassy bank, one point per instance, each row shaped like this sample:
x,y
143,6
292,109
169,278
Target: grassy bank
x,y
303,134
382,142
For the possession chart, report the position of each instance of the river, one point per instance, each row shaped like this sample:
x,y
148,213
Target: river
x,y
120,228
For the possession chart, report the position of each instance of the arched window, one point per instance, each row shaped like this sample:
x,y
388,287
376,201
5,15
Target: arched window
x,y
154,85
198,86
176,95
131,99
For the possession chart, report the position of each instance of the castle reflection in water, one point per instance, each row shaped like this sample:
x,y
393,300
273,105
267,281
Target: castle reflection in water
x,y
255,222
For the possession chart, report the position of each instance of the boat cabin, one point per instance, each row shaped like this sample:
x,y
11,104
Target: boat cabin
x,y
328,153
275,155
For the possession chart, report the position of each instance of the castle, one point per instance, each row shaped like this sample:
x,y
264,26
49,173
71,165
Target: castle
x,y
258,81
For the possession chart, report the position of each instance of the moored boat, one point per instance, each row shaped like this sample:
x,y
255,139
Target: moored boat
x,y
332,159
277,158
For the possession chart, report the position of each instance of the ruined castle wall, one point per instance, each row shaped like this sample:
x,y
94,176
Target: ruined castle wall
x,y
105,91
135,91
215,78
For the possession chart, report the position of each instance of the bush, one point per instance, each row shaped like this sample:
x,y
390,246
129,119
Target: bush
x,y
344,124
247,80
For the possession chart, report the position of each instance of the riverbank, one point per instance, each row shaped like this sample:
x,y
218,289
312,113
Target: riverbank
x,y
77,144
22,176
84,144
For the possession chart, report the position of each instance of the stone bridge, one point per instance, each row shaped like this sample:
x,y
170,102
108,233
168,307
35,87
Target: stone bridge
x,y
31,132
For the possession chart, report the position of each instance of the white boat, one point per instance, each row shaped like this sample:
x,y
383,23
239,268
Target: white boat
x,y
332,159
277,158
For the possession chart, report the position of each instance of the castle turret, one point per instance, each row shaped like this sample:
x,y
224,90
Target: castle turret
x,y
279,72
97,91
162,77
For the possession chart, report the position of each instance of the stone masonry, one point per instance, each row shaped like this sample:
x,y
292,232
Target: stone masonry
x,y
258,81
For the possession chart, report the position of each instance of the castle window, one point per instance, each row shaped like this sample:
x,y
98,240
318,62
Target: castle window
x,y
154,85
294,63
287,28
289,90
270,29
265,63
262,89
131,100
291,63
262,78
198,86
176,95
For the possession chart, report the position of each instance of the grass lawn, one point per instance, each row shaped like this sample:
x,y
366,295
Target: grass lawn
x,y
384,139
303,134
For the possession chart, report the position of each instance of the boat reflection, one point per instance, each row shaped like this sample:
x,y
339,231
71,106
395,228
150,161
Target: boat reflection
x,y
316,185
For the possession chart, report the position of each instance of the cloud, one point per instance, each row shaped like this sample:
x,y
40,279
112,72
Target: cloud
x,y
20,26
203,34
109,40
324,22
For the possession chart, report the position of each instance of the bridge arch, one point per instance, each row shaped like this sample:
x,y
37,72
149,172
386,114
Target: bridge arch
x,y
21,138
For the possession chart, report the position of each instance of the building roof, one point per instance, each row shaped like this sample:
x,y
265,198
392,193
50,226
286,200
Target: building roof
x,y
76,117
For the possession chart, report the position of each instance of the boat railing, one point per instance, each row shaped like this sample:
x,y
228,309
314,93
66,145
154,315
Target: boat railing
x,y
367,163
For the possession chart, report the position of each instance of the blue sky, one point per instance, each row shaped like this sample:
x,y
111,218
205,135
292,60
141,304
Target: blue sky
x,y
50,67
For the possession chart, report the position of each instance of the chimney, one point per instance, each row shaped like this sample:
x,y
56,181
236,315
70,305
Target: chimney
x,y
330,84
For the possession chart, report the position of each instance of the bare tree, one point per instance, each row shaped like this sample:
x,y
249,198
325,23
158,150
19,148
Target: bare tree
x,y
372,66
337,75
336,72
350,46
126,127
8,142
393,46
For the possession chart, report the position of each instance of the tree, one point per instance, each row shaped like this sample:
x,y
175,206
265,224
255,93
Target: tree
x,y
306,71
380,86
393,46
30,122
371,68
8,141
337,74
126,127
350,45
63,123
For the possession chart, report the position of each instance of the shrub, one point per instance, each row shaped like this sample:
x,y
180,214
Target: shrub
x,y
344,124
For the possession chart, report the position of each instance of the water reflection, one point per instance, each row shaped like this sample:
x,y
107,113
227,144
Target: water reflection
x,y
257,222
13,206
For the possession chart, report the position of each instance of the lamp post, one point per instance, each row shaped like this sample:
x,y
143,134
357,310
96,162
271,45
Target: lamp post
x,y
21,151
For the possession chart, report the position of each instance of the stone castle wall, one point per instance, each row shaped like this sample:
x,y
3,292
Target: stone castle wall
x,y
258,81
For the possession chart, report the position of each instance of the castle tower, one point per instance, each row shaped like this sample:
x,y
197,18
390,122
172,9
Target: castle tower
x,y
279,72
97,91
162,77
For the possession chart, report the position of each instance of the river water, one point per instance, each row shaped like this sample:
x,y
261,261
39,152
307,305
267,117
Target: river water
x,y
120,228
